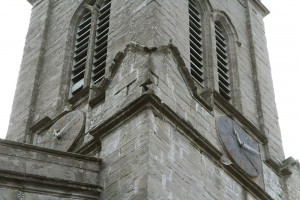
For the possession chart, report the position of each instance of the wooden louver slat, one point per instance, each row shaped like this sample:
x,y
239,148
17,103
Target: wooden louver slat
x,y
100,51
222,62
196,52
80,52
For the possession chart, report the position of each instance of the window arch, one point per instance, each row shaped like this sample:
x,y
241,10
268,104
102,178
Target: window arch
x,y
82,40
223,69
226,73
90,46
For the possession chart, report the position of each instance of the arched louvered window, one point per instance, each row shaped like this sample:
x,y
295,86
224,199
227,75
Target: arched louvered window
x,y
82,38
88,34
100,52
196,52
222,61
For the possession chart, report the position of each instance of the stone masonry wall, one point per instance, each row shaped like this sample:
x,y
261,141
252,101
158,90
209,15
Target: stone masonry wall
x,y
148,23
292,182
29,172
148,157
29,73
135,28
57,43
161,62
125,154
269,116
179,170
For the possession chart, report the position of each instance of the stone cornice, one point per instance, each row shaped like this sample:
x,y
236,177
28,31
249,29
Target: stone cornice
x,y
208,99
150,101
287,166
18,145
31,168
258,3
49,185
32,2
263,9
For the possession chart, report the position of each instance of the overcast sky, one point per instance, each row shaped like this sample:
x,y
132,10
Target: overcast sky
x,y
282,30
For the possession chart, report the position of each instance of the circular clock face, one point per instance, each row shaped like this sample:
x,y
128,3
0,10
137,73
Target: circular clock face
x,y
63,132
239,146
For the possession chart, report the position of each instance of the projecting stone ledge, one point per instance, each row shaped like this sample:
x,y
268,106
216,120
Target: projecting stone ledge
x,y
32,172
32,1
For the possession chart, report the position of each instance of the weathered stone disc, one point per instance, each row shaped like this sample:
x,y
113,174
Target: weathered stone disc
x,y
64,132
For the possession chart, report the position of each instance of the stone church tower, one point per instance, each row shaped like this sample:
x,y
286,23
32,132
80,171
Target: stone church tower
x,y
146,99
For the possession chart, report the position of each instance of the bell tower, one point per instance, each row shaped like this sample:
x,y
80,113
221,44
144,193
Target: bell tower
x,y
175,97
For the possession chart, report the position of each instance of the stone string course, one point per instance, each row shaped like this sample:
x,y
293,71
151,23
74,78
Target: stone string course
x,y
149,155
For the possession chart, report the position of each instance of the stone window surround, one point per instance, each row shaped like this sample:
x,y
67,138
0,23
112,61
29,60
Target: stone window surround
x,y
85,92
208,18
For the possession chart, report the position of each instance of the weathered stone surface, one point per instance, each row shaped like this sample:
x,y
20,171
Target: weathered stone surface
x,y
156,127
26,169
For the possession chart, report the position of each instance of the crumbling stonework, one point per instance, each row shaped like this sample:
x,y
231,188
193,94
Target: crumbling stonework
x,y
148,120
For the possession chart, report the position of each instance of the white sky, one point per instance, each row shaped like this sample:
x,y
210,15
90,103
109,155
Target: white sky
x,y
282,29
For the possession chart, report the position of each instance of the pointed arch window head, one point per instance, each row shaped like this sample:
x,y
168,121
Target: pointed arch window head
x,y
196,49
222,61
90,47
82,38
